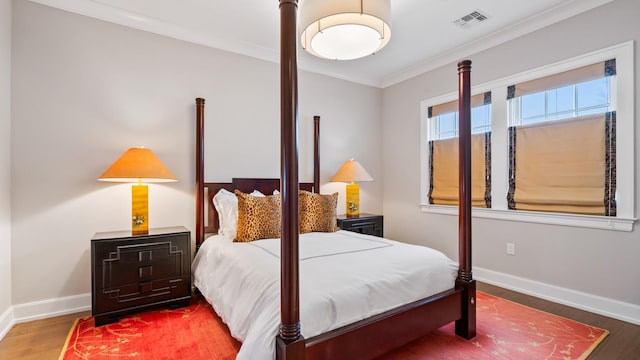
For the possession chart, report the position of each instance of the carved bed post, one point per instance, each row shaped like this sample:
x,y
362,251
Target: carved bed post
x,y
466,326
316,154
289,343
199,172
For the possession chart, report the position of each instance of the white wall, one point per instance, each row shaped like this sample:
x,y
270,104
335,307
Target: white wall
x,y
5,158
598,262
85,90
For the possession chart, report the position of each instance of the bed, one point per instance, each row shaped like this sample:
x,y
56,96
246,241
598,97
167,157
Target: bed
x,y
363,336
340,282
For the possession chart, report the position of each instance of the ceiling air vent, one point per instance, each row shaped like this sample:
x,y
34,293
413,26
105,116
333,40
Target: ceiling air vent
x,y
466,21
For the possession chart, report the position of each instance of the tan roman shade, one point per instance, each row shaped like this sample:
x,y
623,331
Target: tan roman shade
x,y
575,76
444,171
564,166
452,106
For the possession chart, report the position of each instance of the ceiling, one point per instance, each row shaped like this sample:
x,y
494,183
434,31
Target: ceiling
x,y
424,34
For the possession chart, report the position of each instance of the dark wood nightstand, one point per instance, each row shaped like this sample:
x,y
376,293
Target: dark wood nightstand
x,y
131,273
369,224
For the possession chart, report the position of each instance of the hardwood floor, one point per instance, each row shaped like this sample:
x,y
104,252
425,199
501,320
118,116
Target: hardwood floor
x,y
43,339
38,340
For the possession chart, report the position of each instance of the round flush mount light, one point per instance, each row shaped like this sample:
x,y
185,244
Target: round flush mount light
x,y
344,29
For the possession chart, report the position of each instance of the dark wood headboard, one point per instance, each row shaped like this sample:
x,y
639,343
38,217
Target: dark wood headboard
x,y
207,222
246,185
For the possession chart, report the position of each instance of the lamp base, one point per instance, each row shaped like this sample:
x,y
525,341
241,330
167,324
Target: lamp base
x,y
353,200
139,209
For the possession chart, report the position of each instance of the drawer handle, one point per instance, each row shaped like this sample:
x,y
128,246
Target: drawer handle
x,y
144,256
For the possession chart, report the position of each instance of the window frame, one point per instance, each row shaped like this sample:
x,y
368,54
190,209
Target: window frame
x,y
624,106
434,122
515,104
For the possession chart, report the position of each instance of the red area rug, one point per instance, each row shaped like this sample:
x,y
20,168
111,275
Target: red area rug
x,y
190,333
505,330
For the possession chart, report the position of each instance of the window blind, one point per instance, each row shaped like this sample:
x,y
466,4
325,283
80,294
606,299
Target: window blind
x,y
575,76
443,163
564,166
451,106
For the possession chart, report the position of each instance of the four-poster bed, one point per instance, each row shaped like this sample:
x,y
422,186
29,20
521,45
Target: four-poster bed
x,y
381,332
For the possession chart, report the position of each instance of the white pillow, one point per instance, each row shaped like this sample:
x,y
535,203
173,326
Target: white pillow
x,y
226,204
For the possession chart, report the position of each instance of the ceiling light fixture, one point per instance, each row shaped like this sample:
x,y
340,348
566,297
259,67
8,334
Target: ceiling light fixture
x,y
345,29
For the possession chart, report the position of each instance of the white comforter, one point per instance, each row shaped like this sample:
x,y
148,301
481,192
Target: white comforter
x,y
344,277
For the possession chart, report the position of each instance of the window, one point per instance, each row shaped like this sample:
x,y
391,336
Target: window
x,y
444,117
480,119
536,102
562,141
443,170
589,97
564,166
443,152
574,93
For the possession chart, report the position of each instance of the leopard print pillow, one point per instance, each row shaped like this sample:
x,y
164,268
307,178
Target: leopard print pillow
x,y
258,217
317,212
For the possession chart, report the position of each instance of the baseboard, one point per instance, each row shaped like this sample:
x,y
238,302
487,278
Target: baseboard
x,y
580,300
51,307
588,302
6,322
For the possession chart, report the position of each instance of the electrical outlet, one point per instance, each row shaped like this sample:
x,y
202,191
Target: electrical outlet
x,y
511,249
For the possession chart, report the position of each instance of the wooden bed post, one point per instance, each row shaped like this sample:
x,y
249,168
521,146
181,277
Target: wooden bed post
x,y
316,154
373,336
289,344
466,326
199,172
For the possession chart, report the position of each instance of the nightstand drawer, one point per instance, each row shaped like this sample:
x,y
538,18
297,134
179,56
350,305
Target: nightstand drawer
x,y
131,273
125,264
139,271
369,224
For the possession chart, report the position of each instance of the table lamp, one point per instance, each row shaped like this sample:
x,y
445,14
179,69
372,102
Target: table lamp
x,y
138,165
351,171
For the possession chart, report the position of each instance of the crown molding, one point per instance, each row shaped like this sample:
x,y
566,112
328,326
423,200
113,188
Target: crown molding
x,y
139,21
142,22
523,27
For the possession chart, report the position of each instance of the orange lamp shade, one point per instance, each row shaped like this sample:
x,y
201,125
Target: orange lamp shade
x,y
138,165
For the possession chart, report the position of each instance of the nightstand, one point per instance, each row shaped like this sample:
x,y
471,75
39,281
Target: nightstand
x,y
369,224
131,273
